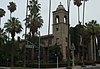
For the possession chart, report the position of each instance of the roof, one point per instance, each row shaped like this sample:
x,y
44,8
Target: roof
x,y
60,7
46,36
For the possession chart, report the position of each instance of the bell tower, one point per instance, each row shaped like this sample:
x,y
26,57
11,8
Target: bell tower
x,y
60,29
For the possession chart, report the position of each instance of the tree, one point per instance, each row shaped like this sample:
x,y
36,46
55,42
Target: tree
x,y
84,9
35,20
13,26
3,41
2,13
78,4
93,29
11,8
3,37
55,51
76,38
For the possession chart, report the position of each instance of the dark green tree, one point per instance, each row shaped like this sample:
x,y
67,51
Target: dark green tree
x,y
11,8
55,51
13,26
78,4
76,34
2,13
35,21
93,29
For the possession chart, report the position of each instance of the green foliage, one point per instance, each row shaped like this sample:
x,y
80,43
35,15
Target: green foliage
x,y
13,26
34,20
2,12
76,34
92,27
77,2
55,51
11,6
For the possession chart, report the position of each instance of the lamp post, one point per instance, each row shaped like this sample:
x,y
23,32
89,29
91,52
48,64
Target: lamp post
x,y
57,60
39,51
7,61
72,51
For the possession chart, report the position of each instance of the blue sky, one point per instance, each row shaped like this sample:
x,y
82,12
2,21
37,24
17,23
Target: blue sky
x,y
92,11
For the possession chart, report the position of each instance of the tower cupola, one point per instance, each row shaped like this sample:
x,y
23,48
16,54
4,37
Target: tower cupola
x,y
60,7
60,15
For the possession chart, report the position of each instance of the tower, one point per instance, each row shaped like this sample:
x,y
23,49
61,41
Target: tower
x,y
60,29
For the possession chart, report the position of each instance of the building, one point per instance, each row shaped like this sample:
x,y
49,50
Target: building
x,y
60,31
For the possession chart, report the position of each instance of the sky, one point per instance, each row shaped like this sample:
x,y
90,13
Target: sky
x,y
92,12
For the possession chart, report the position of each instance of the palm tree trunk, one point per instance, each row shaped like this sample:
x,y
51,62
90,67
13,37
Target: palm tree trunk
x,y
12,52
91,50
83,30
49,29
68,6
94,47
24,57
83,10
78,15
10,15
10,19
0,22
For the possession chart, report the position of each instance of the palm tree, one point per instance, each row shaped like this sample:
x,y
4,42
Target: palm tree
x,y
3,36
11,8
35,20
13,26
2,13
49,29
84,9
83,29
78,4
75,33
93,28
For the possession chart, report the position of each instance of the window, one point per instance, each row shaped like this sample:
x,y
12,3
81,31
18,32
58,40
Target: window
x,y
66,39
57,19
57,40
65,19
57,29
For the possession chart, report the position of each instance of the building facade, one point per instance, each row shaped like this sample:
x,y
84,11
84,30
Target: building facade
x,y
60,30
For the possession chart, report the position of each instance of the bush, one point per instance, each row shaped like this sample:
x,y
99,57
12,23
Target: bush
x,y
46,65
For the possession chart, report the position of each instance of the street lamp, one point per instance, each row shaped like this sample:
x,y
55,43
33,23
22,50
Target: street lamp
x,y
72,51
7,61
57,60
39,51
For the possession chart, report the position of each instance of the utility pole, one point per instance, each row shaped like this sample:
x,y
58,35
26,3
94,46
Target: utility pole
x,y
57,60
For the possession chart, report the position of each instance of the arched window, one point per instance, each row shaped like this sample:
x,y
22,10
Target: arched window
x,y
65,19
57,19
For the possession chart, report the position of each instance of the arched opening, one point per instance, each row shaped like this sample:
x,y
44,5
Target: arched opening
x,y
65,19
57,19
